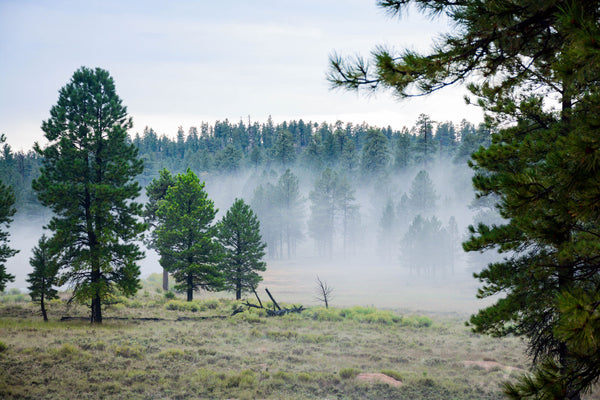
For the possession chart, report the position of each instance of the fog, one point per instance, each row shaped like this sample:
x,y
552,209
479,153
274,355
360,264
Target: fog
x,y
381,265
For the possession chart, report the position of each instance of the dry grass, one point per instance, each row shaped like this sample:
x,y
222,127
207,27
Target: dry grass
x,y
243,357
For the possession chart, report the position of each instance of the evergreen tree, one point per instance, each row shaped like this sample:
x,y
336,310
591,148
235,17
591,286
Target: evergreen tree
x,y
402,151
536,63
185,236
7,210
346,207
425,146
87,181
291,204
422,195
349,157
375,154
445,139
425,246
156,191
387,230
44,275
239,234
323,205
229,159
256,156
283,151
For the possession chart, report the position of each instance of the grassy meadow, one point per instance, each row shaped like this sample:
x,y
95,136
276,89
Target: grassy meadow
x,y
152,347
155,346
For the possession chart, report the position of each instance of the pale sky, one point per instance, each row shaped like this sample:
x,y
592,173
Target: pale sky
x,y
181,63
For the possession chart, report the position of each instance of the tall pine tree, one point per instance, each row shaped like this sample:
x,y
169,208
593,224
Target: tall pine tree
x,y
87,180
185,236
239,234
156,191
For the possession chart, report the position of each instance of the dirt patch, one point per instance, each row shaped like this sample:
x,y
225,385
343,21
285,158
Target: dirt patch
x,y
376,378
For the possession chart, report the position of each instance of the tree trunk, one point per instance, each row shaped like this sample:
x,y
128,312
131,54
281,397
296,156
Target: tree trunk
x,y
190,288
165,280
96,310
43,308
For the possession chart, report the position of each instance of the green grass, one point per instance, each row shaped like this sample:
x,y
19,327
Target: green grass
x,y
191,352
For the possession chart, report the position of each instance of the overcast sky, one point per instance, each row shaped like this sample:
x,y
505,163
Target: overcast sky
x,y
180,63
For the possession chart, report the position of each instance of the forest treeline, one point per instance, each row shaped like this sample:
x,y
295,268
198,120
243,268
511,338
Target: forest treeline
x,y
358,151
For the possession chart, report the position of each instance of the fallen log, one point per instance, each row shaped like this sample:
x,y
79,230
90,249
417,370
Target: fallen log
x,y
275,312
272,299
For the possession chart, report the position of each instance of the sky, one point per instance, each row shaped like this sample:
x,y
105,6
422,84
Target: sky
x,y
181,63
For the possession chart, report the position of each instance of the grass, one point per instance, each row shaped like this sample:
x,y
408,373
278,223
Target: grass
x,y
191,352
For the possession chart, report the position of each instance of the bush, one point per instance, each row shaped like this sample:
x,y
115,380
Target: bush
x,y
129,351
211,304
422,322
3,347
169,295
349,373
179,305
171,354
325,314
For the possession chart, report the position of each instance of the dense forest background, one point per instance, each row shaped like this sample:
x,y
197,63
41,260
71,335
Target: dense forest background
x,y
333,191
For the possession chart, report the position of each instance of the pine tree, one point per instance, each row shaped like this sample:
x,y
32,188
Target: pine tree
x,y
87,180
375,154
239,234
425,147
7,200
44,275
283,151
387,230
536,65
422,195
346,208
229,159
185,236
291,206
323,210
156,191
266,203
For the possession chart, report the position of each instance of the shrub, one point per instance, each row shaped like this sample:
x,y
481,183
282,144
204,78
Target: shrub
x,y
169,295
348,373
179,305
245,379
129,351
211,304
250,318
3,347
325,314
304,377
422,322
172,354
66,350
